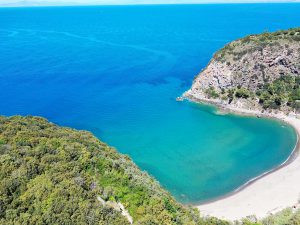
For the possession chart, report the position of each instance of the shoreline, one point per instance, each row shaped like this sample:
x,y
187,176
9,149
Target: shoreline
x,y
262,195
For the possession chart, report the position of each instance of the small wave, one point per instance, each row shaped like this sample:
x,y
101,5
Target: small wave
x,y
168,59
10,33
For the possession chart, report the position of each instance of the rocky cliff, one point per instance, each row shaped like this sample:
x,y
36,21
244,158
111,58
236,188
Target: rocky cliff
x,y
249,64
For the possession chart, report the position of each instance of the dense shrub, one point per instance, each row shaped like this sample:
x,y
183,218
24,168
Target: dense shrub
x,y
282,91
211,93
53,175
242,93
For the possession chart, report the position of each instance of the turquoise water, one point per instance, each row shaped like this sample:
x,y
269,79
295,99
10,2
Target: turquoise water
x,y
116,71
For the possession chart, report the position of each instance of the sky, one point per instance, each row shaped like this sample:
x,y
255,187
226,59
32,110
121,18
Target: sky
x,y
123,2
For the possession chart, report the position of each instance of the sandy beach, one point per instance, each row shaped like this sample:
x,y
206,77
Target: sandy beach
x,y
267,194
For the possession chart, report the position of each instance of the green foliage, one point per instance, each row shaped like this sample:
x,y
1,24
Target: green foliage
x,y
211,93
237,49
282,91
230,95
285,217
249,220
53,175
242,93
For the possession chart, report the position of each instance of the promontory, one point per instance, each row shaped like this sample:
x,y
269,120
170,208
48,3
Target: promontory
x,y
257,75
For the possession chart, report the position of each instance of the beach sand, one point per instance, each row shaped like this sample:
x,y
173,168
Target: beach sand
x,y
269,193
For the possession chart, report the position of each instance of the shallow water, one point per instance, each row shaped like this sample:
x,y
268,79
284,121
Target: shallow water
x,y
116,71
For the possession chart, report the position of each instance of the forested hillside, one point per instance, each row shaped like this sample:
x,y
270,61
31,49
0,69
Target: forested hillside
x,y
56,175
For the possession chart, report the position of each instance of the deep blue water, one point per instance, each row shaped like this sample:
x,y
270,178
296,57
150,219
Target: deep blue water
x,y
116,71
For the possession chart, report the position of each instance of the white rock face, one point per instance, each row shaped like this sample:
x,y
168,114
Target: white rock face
x,y
249,64
217,75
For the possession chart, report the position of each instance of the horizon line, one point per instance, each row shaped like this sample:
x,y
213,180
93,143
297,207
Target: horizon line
x,y
207,2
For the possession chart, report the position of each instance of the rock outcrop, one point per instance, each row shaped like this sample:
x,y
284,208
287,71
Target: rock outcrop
x,y
249,63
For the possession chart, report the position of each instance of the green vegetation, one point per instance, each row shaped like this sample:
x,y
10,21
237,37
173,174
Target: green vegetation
x,y
211,93
53,175
256,42
242,93
284,217
284,91
280,93
228,94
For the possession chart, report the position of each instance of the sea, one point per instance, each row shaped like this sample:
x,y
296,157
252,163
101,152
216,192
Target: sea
x,y
116,71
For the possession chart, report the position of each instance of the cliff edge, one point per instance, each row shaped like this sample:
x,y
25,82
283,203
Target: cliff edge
x,y
256,72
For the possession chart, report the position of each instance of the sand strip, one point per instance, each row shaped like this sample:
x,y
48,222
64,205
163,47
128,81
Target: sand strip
x,y
267,194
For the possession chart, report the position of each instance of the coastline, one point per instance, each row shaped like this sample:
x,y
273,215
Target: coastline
x,y
267,193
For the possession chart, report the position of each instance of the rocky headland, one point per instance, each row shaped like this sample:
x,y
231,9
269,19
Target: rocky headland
x,y
258,72
257,75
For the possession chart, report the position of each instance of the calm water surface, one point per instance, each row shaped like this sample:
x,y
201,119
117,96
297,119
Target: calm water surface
x,y
116,71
